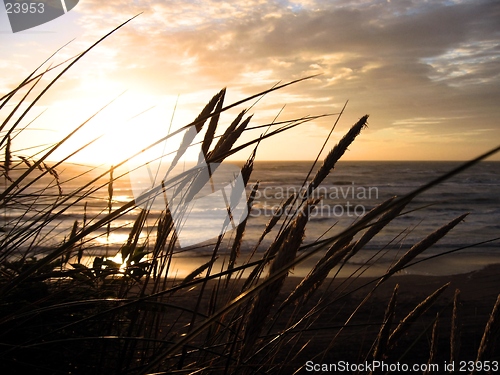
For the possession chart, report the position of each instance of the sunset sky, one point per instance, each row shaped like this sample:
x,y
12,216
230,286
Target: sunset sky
x,y
427,73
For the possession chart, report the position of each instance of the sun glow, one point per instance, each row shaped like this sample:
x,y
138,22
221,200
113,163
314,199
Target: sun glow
x,y
118,259
128,125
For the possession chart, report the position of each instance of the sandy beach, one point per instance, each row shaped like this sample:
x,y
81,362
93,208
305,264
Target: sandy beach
x,y
314,339
478,292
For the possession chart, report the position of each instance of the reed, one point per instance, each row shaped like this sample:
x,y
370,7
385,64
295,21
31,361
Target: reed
x,y
198,271
7,159
490,334
336,153
423,245
433,346
383,337
318,274
240,231
455,329
405,324
265,299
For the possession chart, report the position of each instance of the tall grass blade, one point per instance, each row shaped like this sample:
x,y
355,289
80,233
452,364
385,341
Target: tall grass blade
x,y
455,329
405,324
423,245
434,345
385,329
336,153
265,299
491,331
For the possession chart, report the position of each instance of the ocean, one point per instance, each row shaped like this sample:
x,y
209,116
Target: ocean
x,y
351,190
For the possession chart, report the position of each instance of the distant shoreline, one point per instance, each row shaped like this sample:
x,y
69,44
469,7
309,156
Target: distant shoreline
x,y
445,266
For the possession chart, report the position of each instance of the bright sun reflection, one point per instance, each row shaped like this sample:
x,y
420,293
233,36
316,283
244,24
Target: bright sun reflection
x,y
113,238
119,260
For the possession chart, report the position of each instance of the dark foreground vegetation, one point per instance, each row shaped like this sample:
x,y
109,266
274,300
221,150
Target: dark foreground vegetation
x,y
59,314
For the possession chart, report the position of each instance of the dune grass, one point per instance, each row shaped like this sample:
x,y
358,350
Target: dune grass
x,y
61,315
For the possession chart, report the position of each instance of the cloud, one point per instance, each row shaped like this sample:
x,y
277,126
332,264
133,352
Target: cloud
x,y
436,62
